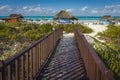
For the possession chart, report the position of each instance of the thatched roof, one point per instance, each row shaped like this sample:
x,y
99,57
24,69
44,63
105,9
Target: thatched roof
x,y
64,14
106,17
15,16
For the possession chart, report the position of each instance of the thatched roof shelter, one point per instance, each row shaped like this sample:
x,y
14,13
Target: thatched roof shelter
x,y
106,17
15,16
64,15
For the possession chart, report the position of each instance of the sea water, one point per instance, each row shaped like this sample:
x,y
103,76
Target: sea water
x,y
81,18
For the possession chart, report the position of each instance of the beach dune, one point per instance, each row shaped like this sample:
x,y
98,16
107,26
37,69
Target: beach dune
x,y
96,28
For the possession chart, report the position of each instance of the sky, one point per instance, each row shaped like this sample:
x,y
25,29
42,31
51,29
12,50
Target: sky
x,y
51,7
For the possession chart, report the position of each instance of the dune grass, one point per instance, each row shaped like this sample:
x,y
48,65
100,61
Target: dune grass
x,y
69,28
109,51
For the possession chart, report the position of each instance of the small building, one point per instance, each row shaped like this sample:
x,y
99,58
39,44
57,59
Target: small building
x,y
1,20
106,19
115,21
14,18
64,17
105,22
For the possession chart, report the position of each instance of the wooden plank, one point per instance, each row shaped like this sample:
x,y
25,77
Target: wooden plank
x,y
27,66
34,61
9,72
40,55
16,70
31,64
93,57
2,70
23,69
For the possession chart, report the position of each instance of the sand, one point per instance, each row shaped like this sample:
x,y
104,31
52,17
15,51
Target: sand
x,y
96,28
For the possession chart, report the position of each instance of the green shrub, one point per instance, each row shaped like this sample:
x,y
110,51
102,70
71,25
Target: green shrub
x,y
11,33
45,28
69,28
111,35
110,56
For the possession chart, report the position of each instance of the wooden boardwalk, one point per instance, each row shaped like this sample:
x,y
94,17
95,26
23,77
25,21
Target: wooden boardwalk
x,y
66,63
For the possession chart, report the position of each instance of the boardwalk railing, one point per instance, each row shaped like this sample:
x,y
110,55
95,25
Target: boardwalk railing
x,y
96,69
26,65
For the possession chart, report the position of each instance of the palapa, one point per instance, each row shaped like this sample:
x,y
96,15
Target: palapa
x,y
64,15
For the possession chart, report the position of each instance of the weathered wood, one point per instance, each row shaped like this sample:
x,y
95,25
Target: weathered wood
x,y
2,70
96,69
26,64
31,64
16,70
23,69
9,72
66,63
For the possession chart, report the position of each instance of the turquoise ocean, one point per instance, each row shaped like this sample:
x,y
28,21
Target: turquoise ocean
x,y
51,17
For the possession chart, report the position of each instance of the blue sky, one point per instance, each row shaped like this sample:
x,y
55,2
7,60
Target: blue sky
x,y
51,7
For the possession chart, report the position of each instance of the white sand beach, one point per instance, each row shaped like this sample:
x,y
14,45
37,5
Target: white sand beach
x,y
96,28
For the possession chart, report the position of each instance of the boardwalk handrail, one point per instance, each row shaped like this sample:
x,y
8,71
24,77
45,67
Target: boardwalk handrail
x,y
26,64
96,69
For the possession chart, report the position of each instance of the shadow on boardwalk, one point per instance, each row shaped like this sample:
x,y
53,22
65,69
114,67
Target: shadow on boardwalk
x,y
66,63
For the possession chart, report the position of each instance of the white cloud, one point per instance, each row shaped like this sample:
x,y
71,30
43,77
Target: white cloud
x,y
107,10
25,7
27,10
69,10
36,9
84,8
94,11
5,7
31,8
112,9
39,10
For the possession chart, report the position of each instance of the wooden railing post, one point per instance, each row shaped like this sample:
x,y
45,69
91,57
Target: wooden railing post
x,y
96,69
108,75
2,70
26,64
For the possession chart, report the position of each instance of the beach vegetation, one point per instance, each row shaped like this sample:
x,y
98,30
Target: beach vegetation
x,y
109,56
17,35
111,36
69,28
12,34
109,50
